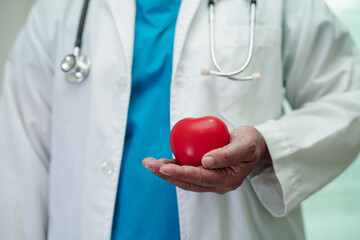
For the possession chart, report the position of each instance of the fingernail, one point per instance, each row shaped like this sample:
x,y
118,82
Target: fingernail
x,y
208,162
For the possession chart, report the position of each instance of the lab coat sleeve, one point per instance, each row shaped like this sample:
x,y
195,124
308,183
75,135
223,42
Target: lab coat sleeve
x,y
25,113
314,143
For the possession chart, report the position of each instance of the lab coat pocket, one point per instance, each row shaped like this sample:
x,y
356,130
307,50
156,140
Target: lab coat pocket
x,y
244,103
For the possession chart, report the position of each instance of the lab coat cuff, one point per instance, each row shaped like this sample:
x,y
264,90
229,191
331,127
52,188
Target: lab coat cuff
x,y
276,185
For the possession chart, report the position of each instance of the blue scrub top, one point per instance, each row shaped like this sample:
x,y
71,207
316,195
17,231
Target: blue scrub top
x,y
146,206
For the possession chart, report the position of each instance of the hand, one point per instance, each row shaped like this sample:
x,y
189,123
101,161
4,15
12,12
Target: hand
x,y
222,169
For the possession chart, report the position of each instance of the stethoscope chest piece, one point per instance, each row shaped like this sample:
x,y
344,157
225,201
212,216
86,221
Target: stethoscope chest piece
x,y
76,67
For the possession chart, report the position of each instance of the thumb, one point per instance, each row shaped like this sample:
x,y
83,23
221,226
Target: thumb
x,y
229,155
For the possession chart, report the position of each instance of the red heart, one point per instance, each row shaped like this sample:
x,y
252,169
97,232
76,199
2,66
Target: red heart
x,y
191,138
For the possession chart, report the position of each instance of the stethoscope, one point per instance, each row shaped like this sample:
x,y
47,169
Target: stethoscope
x,y
230,75
76,66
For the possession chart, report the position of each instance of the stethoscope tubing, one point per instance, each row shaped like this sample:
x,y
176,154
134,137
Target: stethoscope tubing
x,y
251,45
77,65
81,25
219,71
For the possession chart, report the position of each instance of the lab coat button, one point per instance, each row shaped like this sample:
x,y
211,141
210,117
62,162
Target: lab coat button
x,y
108,168
121,84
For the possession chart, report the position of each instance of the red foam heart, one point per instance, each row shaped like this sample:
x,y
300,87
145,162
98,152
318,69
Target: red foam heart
x,y
192,138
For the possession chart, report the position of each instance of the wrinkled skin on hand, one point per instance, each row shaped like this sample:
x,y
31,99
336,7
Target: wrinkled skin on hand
x,y
223,169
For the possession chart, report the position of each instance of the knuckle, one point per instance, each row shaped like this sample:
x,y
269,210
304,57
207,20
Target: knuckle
x,y
251,144
223,156
191,187
196,175
199,177
162,160
228,157
251,148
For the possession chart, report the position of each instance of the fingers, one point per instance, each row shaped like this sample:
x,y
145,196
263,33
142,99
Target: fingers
x,y
199,179
186,185
224,178
239,150
196,175
155,165
222,169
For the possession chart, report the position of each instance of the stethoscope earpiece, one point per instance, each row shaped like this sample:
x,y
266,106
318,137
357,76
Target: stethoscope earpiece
x,y
255,77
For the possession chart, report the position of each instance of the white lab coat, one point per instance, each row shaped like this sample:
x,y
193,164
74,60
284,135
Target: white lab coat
x,y
61,144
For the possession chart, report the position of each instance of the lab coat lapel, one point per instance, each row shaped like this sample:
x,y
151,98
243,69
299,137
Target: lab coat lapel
x,y
123,13
186,14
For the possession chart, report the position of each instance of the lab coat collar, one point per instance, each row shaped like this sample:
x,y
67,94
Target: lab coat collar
x,y
124,12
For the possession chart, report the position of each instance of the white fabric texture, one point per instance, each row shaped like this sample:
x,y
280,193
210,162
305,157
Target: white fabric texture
x,y
59,140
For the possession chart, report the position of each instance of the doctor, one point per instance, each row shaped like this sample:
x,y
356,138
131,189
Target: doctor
x,y
71,154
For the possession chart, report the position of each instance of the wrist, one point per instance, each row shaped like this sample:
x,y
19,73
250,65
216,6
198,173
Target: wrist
x,y
265,157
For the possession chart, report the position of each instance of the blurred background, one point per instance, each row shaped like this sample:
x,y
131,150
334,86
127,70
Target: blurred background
x,y
334,212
